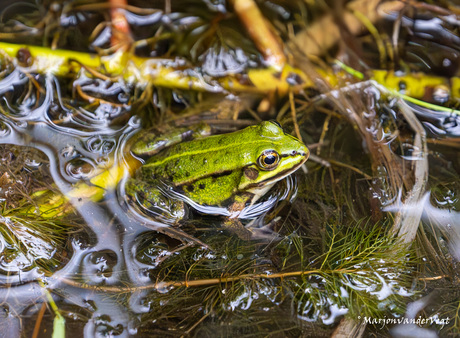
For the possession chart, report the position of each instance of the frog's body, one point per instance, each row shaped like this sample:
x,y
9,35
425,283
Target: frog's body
x,y
229,170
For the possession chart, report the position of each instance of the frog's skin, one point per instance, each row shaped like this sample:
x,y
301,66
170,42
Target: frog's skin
x,y
231,170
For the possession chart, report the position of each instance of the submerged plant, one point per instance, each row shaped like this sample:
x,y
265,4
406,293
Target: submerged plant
x,y
363,272
29,239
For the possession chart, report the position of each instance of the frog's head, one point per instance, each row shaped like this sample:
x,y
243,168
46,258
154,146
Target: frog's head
x,y
276,156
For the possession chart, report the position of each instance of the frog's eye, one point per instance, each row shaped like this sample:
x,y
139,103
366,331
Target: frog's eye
x,y
268,160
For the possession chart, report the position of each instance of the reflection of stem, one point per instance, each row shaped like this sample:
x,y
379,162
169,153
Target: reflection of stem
x,y
264,38
203,282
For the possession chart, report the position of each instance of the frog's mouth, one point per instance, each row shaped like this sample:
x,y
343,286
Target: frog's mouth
x,y
286,173
272,180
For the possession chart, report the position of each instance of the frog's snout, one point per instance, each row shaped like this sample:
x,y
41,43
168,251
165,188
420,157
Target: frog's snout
x,y
303,151
300,153
304,156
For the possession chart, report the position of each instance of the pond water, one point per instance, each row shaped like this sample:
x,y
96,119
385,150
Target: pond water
x,y
363,236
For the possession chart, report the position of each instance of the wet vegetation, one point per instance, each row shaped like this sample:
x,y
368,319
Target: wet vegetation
x,y
368,229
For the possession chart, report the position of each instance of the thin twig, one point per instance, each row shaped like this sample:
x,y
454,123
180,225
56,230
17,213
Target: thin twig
x,y
294,115
121,33
39,321
323,133
356,170
201,282
433,278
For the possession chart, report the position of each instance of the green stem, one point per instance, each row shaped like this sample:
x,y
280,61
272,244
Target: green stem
x,y
149,71
59,320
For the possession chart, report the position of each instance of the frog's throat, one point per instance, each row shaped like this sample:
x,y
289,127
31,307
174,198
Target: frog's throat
x,y
260,191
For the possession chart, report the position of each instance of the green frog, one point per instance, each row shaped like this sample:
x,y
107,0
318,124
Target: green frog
x,y
218,174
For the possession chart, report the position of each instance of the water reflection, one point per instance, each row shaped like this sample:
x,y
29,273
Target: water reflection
x,y
438,124
75,154
444,222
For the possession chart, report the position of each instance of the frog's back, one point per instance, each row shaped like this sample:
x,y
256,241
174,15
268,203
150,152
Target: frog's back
x,y
214,155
